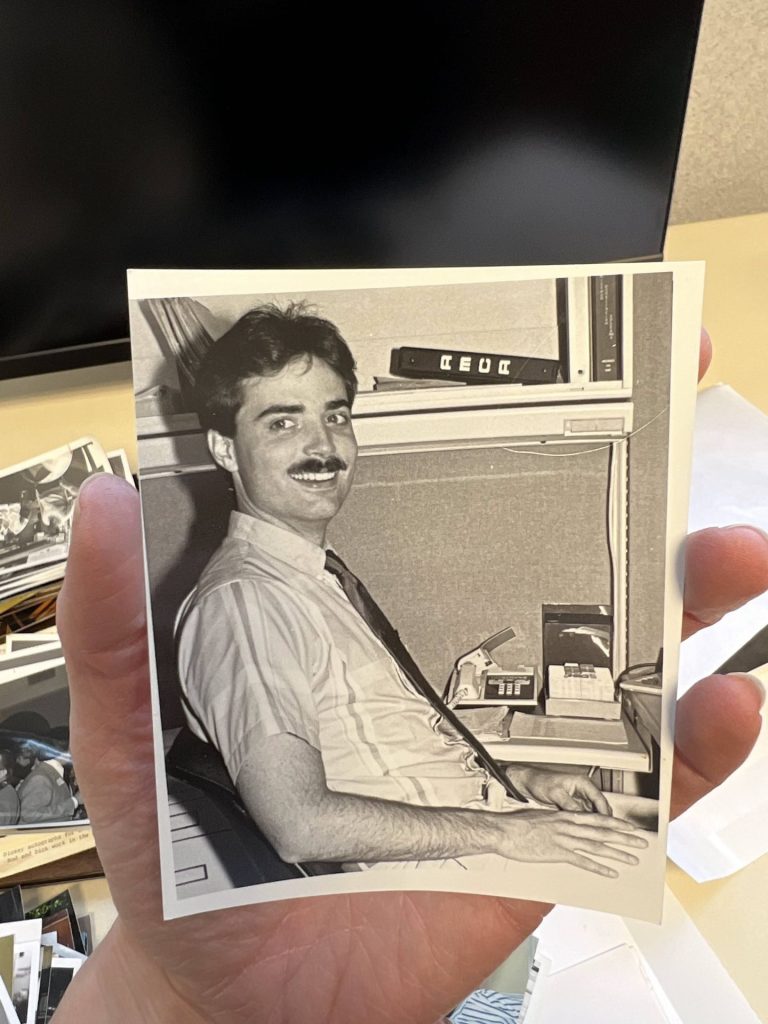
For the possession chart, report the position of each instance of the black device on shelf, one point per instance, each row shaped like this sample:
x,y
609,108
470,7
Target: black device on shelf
x,y
471,367
292,134
580,633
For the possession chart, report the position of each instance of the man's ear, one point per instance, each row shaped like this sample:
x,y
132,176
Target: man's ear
x,y
222,449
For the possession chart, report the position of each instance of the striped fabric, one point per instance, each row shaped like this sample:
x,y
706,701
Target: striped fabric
x,y
488,1007
270,644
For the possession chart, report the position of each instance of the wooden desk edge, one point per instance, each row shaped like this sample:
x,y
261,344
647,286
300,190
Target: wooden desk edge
x,y
85,864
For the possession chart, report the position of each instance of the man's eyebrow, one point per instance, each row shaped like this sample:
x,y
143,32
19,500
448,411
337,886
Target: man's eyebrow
x,y
338,403
271,410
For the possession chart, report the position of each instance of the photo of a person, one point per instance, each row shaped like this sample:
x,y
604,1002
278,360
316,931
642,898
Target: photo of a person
x,y
45,795
292,672
38,786
394,613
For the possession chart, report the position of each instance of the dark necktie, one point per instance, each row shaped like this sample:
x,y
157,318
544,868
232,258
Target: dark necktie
x,y
383,629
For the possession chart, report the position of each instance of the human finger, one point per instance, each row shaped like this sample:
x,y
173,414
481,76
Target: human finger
x,y
591,833
566,802
101,619
718,722
601,849
705,352
602,821
724,568
594,799
593,866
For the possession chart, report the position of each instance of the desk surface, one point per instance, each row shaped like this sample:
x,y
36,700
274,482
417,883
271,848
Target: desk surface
x,y
98,402
634,757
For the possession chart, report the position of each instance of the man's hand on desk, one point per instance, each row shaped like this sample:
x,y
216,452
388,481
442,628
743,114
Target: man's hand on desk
x,y
548,837
568,792
373,957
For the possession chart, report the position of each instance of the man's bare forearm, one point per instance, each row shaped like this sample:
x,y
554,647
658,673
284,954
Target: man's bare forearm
x,y
283,784
347,827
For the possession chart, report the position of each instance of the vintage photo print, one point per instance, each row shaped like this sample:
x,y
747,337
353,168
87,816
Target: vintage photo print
x,y
58,915
26,967
20,643
8,1013
38,785
412,546
118,463
37,499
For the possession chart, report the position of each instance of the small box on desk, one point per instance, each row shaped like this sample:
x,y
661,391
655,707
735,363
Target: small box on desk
x,y
580,682
570,707
581,691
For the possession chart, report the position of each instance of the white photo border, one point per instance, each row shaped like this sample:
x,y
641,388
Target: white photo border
x,y
592,892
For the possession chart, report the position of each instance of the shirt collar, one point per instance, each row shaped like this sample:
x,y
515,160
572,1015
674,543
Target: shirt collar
x,y
57,766
279,542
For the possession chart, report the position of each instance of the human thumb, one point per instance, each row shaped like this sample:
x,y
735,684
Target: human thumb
x,y
102,622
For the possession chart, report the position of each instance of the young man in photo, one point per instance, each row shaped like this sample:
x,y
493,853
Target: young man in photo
x,y
292,672
44,795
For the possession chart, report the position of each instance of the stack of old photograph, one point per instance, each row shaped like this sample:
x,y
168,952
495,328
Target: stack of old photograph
x,y
41,950
38,785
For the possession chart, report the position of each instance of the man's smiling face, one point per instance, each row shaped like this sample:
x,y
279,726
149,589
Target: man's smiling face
x,y
294,450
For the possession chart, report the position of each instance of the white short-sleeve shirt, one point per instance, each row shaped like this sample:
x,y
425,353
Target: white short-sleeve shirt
x,y
268,643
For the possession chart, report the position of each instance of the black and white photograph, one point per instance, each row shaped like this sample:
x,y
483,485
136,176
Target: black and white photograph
x,y
118,463
8,1013
37,499
41,949
26,965
412,543
19,643
38,785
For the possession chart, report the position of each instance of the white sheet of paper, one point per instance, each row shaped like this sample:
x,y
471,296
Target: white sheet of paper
x,y
601,990
686,967
690,984
569,936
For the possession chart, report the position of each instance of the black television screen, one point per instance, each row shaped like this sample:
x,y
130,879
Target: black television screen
x,y
281,133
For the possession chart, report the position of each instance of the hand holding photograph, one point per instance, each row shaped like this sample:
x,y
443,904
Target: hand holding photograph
x,y
407,533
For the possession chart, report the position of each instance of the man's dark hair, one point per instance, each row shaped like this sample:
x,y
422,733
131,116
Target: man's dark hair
x,y
261,343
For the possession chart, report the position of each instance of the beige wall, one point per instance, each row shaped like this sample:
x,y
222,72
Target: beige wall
x,y
736,253
723,170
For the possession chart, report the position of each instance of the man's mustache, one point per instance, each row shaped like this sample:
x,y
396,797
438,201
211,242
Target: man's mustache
x,y
333,464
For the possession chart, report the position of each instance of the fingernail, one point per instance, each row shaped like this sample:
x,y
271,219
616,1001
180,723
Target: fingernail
x,y
755,682
747,526
86,486
98,480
